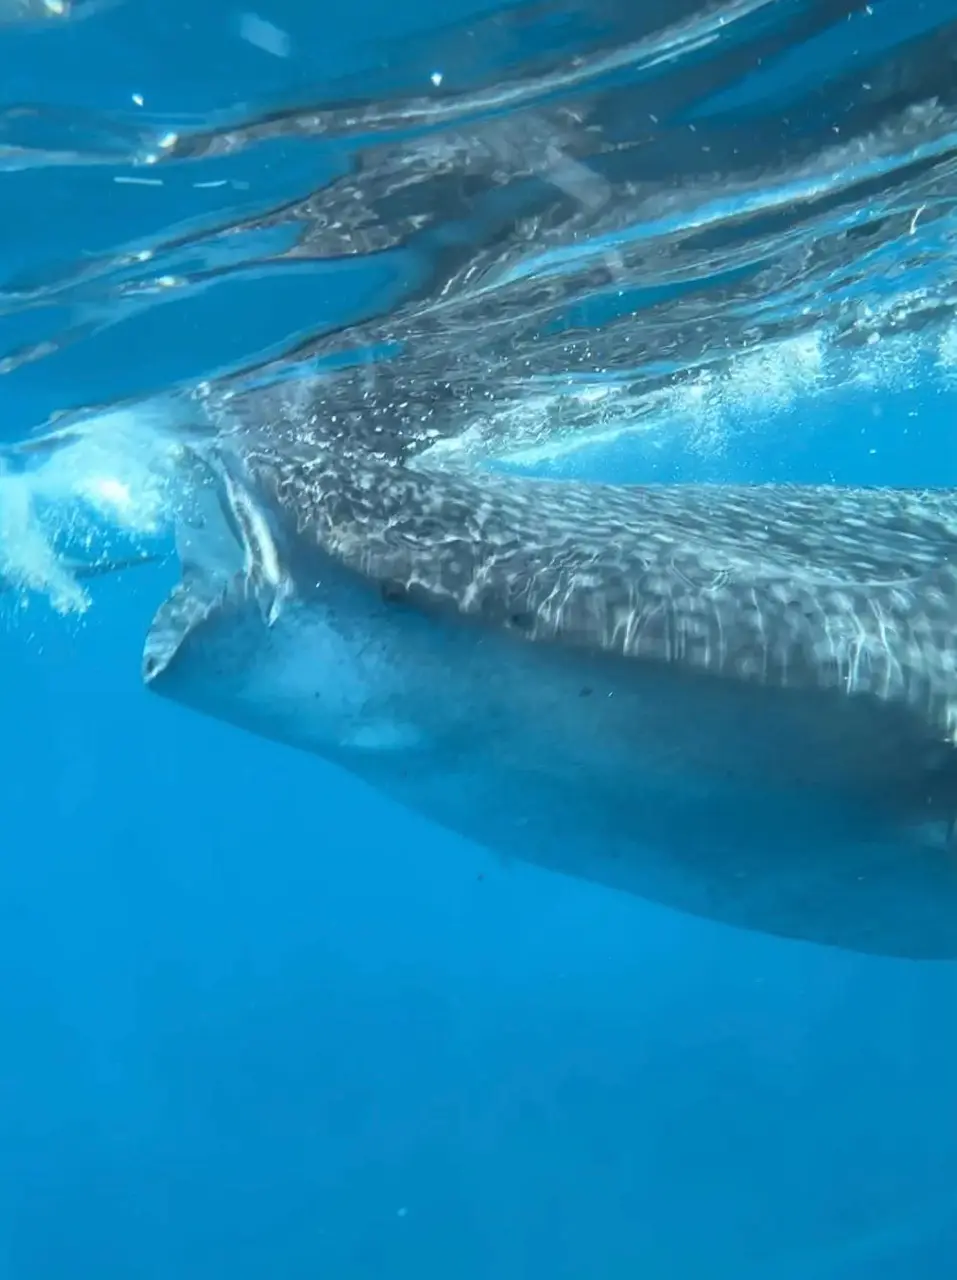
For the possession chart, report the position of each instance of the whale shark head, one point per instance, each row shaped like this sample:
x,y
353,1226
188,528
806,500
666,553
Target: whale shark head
x,y
268,636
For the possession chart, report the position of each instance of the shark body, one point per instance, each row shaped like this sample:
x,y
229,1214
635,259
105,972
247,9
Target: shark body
x,y
736,701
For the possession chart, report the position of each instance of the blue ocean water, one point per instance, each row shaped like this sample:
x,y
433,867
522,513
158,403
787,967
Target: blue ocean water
x,y
255,1021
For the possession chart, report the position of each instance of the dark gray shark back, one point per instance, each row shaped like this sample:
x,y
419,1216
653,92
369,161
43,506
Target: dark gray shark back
x,y
850,591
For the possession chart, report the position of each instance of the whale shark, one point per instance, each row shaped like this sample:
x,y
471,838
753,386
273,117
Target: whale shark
x,y
736,701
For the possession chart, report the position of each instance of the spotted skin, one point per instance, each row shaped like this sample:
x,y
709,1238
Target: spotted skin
x,y
796,587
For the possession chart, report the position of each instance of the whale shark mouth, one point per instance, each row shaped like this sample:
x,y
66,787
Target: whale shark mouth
x,y
228,558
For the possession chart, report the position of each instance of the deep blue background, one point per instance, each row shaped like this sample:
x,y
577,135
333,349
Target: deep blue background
x,y
257,1022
